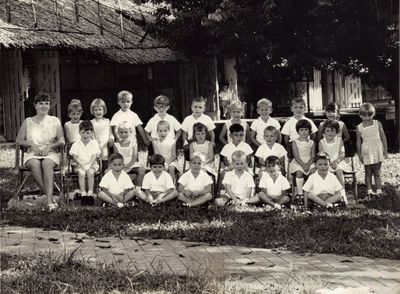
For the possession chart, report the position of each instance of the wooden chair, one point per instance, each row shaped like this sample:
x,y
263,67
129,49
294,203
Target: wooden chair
x,y
23,173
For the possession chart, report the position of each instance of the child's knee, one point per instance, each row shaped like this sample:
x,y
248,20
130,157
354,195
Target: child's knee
x,y
220,202
299,174
81,173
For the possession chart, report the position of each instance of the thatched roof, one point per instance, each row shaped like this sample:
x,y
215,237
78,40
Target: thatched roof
x,y
115,28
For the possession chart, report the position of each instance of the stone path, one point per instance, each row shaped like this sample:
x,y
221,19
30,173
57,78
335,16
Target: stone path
x,y
257,267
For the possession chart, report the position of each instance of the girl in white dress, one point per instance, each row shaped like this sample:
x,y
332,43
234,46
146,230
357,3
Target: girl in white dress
x,y
303,149
371,146
166,146
102,128
236,111
71,127
332,112
129,151
203,146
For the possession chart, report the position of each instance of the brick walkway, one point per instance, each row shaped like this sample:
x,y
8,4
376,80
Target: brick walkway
x,y
257,267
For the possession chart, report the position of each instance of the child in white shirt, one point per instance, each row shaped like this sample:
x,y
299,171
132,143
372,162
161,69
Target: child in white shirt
x,y
264,109
236,111
322,187
71,127
158,185
116,186
274,186
239,184
85,153
198,108
195,184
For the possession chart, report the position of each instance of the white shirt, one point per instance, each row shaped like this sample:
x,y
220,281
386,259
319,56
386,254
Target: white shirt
x,y
259,126
274,188
162,184
239,185
316,185
164,148
189,182
85,152
114,185
102,134
189,121
230,148
151,126
130,117
264,151
73,130
289,128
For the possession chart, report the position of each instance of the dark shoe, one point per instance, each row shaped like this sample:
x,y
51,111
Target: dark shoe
x,y
78,196
89,200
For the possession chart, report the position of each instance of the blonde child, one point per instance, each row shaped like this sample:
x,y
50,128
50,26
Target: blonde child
x,y
102,129
157,184
166,146
71,127
332,112
195,184
322,187
274,186
303,149
264,109
201,145
116,186
128,149
239,184
198,107
236,111
161,105
332,145
85,152
371,147
270,147
125,114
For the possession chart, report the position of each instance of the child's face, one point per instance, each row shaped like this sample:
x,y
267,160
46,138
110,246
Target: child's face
x,y
125,103
237,137
195,164
198,107
236,113
264,111
298,109
162,131
273,170
123,133
157,169
117,165
85,134
330,133
304,132
98,111
75,116
270,137
366,116
161,108
200,136
239,164
322,165
331,115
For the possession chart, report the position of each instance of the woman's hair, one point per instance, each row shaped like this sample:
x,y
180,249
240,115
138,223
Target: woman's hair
x,y
298,101
123,126
42,97
199,155
115,156
97,102
239,154
74,105
322,155
236,105
86,125
271,129
367,108
334,125
332,106
162,123
156,159
264,102
303,123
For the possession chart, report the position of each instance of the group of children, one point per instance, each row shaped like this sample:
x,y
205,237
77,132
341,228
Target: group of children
x,y
317,169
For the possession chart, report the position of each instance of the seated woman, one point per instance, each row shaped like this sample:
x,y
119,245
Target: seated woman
x,y
42,134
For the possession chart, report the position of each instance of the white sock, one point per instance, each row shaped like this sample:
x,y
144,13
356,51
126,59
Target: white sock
x,y
90,193
299,184
379,191
370,191
344,196
83,194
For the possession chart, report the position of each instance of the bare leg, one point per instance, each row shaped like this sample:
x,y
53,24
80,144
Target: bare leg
x,y
334,199
201,199
129,196
171,196
253,200
82,180
265,199
171,171
104,197
183,198
90,175
48,178
283,200
368,176
299,182
377,175
316,199
221,201
35,166
139,179
142,195
340,177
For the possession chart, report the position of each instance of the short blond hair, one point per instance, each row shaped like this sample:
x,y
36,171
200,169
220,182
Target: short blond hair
x,y
236,105
124,126
264,102
97,102
124,94
163,123
239,154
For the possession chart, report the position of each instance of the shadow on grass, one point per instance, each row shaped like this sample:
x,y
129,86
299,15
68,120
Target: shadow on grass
x,y
363,232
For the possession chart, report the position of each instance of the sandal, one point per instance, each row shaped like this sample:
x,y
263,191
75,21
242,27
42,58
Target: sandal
x,y
52,206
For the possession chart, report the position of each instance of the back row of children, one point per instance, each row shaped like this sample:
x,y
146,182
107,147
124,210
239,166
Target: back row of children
x,y
197,130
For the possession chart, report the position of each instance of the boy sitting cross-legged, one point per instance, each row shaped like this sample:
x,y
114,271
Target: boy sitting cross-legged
x,y
158,185
239,184
116,185
274,186
195,184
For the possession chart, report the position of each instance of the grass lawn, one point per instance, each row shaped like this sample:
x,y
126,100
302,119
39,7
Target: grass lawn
x,y
372,231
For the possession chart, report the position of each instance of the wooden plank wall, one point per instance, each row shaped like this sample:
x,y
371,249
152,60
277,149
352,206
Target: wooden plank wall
x,y
12,92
